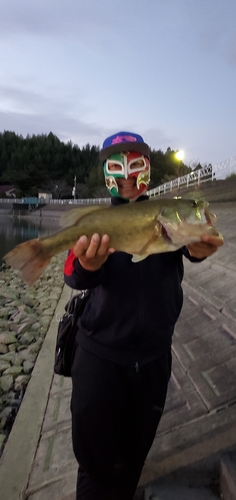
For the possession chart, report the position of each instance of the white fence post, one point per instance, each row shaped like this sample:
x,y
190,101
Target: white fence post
x,y
206,174
209,173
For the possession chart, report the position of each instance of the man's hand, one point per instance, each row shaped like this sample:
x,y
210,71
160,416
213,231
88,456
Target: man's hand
x,y
93,253
206,247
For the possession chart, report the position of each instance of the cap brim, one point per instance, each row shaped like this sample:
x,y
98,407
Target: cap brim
x,y
140,147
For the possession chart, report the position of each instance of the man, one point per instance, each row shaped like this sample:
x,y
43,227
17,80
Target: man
x,y
122,363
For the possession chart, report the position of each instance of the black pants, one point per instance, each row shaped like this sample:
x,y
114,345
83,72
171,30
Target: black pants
x,y
115,413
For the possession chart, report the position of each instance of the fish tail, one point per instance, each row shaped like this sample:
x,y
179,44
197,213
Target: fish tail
x,y
29,258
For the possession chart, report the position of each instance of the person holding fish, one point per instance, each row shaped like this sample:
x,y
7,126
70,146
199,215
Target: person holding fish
x,y
122,363
130,255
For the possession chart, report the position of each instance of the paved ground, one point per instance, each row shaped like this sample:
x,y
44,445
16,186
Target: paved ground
x,y
199,421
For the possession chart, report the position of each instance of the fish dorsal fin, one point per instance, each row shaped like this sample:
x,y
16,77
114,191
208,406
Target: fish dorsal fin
x,y
138,258
72,216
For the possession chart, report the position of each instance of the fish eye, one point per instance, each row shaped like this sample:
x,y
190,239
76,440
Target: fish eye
x,y
194,203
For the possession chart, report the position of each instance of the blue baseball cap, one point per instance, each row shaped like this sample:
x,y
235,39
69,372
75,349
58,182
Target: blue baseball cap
x,y
123,141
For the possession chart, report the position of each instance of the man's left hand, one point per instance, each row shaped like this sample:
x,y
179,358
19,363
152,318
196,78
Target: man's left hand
x,y
206,247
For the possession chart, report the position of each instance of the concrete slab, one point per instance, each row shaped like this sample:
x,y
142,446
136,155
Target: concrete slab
x,y
198,424
228,476
62,488
19,453
176,492
189,483
189,443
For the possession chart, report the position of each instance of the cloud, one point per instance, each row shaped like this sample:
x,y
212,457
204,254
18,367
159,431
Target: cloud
x,y
65,128
66,17
231,51
216,33
30,112
158,139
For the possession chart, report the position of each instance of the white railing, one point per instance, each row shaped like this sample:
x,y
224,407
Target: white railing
x,y
80,201
206,174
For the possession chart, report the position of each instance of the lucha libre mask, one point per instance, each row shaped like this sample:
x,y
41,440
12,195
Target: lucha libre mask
x,y
125,165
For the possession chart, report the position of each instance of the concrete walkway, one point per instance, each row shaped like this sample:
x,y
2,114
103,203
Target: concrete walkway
x,y
198,424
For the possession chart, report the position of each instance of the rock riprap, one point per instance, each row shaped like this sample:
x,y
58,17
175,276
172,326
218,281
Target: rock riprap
x,y
25,316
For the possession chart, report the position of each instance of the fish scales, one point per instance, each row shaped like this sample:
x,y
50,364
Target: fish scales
x,y
126,226
141,229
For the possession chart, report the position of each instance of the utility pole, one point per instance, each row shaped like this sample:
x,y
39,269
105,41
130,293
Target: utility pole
x,y
74,188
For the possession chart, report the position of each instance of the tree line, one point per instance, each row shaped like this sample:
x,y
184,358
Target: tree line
x,y
43,163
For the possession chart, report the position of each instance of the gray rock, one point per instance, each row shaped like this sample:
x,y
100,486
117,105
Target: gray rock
x,y
34,350
12,347
26,354
2,322
27,309
7,338
24,327
17,317
21,381
9,356
10,293
44,298
2,439
53,304
45,320
4,365
17,361
6,382
28,366
26,339
55,296
6,412
3,348
35,326
11,312
12,327
4,313
20,348
13,370
2,299
24,320
13,304
47,312
27,301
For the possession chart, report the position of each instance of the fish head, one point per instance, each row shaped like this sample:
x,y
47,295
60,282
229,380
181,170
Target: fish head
x,y
185,221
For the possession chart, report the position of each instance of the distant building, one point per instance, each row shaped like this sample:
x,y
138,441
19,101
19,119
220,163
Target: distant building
x,y
45,197
8,191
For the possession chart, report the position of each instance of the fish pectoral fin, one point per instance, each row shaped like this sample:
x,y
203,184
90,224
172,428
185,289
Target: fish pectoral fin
x,y
138,258
75,214
144,251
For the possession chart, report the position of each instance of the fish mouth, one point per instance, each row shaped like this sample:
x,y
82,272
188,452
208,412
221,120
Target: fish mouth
x,y
181,231
165,235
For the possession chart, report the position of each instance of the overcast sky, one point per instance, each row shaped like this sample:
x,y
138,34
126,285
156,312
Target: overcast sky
x,y
84,70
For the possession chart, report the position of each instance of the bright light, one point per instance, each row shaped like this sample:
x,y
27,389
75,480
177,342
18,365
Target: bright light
x,y
179,155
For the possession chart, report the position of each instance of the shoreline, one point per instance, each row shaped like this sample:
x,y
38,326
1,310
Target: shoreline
x,y
25,316
45,216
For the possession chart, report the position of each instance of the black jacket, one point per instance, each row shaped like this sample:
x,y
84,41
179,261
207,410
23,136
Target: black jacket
x,y
132,310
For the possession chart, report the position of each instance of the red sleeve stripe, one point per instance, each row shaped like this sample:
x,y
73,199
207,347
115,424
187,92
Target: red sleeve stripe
x,y
69,263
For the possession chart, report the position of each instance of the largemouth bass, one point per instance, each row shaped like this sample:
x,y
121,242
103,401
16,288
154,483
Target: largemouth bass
x,y
140,229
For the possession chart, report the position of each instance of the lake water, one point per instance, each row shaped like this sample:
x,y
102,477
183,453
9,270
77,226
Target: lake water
x,y
15,230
